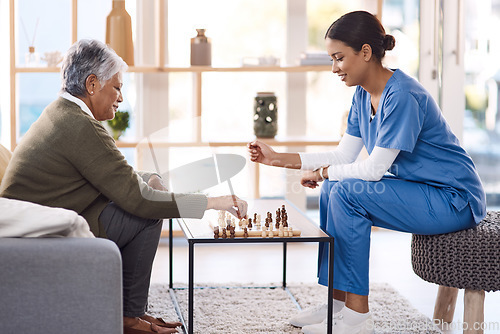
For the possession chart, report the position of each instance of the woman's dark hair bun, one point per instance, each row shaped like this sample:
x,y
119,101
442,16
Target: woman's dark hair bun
x,y
389,42
358,28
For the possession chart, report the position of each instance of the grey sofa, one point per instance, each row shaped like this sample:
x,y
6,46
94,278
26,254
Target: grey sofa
x,y
60,285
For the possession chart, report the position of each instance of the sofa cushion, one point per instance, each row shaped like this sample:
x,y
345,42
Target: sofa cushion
x,y
5,156
25,219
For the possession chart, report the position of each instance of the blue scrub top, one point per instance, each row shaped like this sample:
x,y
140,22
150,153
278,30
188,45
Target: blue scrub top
x,y
408,119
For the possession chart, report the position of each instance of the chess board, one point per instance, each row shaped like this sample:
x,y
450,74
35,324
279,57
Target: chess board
x,y
277,226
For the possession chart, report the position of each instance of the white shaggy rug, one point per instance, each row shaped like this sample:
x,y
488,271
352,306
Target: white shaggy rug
x,y
264,310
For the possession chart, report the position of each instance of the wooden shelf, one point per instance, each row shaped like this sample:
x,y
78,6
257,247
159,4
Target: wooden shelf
x,y
272,142
197,73
37,69
194,69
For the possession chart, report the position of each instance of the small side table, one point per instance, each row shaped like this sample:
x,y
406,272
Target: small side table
x,y
199,231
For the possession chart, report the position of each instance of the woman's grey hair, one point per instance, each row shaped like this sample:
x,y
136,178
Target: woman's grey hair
x,y
87,57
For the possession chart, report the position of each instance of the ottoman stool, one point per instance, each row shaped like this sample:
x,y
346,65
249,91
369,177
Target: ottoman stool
x,y
468,259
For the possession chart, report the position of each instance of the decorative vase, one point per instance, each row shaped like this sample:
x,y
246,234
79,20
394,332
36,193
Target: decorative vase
x,y
201,49
32,58
119,32
265,119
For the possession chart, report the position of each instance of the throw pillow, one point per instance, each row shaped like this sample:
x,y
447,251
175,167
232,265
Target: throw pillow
x,y
5,156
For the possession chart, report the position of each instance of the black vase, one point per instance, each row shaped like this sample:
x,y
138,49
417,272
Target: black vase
x,y
265,119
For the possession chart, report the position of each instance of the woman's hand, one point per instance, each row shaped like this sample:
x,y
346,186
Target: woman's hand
x,y
156,182
311,178
261,153
230,203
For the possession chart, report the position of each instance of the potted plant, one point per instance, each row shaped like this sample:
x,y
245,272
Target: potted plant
x,y
119,124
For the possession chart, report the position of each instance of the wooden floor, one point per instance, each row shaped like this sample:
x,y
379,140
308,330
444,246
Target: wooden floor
x,y
262,263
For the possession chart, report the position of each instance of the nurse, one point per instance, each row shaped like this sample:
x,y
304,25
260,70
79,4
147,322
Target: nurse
x,y
417,178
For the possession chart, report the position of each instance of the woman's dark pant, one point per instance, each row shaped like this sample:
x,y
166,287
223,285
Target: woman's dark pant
x,y
138,240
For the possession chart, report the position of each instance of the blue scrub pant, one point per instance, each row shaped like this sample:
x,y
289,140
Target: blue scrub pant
x,y
349,208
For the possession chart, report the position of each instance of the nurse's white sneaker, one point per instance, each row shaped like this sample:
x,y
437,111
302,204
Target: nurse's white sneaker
x,y
340,327
310,316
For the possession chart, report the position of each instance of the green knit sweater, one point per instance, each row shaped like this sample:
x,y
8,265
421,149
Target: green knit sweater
x,y
67,159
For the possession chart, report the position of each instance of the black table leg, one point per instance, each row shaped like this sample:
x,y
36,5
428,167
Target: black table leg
x,y
330,289
171,253
284,264
191,289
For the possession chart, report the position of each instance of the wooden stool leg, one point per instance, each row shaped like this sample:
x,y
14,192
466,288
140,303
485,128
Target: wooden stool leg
x,y
473,311
445,304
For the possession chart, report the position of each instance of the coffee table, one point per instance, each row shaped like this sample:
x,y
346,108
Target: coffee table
x,y
199,231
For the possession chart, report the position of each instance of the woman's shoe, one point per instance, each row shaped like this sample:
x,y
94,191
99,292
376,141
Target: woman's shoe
x,y
340,327
140,326
310,316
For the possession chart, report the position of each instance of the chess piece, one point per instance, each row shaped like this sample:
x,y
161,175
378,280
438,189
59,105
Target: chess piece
x,y
224,235
271,234
264,233
245,233
250,223
267,222
280,234
290,232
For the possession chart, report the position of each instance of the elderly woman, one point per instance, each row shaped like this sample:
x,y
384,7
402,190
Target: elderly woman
x,y
67,159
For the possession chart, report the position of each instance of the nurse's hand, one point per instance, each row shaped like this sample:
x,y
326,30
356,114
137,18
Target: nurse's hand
x,y
261,152
310,179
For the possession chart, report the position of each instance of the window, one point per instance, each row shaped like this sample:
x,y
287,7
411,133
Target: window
x,y
482,85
